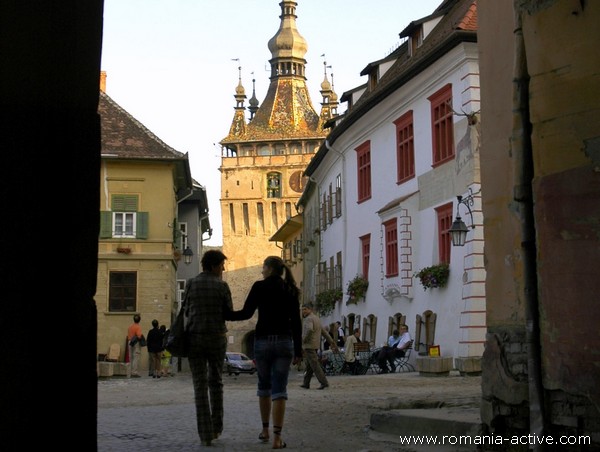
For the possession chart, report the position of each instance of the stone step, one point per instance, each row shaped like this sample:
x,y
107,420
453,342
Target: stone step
x,y
446,421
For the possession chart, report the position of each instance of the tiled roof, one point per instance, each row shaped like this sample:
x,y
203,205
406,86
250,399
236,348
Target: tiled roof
x,y
286,113
469,21
123,136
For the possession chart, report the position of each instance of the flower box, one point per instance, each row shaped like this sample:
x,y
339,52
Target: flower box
x,y
433,277
356,289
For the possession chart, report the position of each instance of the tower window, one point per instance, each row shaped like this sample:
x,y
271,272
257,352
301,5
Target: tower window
x,y
274,185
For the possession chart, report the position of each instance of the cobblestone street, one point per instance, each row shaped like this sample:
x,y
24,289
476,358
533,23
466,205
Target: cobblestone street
x,y
146,414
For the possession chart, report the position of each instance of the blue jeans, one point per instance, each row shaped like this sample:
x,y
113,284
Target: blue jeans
x,y
273,355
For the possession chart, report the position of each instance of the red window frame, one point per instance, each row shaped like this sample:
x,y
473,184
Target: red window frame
x,y
442,125
405,147
444,222
363,168
365,248
391,247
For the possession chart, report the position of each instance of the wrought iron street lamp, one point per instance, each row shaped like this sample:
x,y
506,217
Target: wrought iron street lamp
x,y
458,230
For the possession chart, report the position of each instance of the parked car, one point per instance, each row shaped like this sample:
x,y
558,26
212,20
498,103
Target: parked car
x,y
236,363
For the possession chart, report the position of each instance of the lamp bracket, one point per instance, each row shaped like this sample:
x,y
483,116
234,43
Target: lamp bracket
x,y
468,201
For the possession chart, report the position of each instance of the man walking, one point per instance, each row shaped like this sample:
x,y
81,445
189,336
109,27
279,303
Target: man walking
x,y
207,298
312,330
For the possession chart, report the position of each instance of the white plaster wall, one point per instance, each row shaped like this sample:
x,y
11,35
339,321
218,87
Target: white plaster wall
x,y
457,306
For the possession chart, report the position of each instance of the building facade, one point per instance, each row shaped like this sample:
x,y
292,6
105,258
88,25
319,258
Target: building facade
x,y
142,181
386,182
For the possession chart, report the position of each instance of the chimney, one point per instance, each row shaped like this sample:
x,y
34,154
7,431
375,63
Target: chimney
x,y
103,81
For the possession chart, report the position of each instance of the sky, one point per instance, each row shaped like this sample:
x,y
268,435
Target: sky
x,y
173,64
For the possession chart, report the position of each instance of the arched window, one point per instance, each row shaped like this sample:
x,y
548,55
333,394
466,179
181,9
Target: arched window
x,y
370,329
425,331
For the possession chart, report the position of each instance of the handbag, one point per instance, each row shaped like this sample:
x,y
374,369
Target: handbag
x,y
177,340
134,340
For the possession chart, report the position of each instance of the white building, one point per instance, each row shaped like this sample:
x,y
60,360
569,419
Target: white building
x,y
383,192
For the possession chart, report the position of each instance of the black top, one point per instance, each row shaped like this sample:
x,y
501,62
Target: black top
x,y
278,311
155,340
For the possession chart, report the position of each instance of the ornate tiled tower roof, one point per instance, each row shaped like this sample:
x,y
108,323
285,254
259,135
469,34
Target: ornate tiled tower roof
x,y
287,111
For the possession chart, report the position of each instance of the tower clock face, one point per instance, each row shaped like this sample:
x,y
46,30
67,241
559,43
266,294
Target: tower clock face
x,y
297,181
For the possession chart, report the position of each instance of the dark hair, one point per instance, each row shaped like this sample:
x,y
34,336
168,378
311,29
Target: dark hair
x,y
307,305
211,259
155,322
137,318
278,266
395,333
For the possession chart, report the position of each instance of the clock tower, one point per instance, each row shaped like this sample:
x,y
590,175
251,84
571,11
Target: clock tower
x,y
263,159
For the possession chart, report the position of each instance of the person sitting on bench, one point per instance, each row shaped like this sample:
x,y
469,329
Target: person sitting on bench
x,y
398,342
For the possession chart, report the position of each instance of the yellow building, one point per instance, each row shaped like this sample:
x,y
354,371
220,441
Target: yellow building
x,y
263,159
141,181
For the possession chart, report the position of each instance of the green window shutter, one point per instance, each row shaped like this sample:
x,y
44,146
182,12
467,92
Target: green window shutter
x,y
124,203
105,224
141,225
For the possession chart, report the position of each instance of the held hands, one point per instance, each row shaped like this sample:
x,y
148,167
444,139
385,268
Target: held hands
x,y
296,360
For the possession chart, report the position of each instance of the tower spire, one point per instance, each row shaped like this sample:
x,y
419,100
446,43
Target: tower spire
x,y
238,125
288,47
253,100
330,101
240,92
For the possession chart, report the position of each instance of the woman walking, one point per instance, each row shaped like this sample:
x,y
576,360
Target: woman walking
x,y
278,340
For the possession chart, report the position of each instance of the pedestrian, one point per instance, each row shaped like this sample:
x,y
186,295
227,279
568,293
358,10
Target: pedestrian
x,y
165,356
207,297
135,347
154,341
350,361
340,333
277,341
312,330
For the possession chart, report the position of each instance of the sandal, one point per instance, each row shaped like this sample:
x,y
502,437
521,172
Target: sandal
x,y
263,438
277,433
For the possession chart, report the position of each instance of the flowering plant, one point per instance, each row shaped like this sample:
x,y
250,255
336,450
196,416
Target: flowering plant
x,y
357,288
434,276
326,301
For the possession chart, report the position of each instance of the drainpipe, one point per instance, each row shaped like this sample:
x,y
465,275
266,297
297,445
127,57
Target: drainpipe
x,y
523,197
